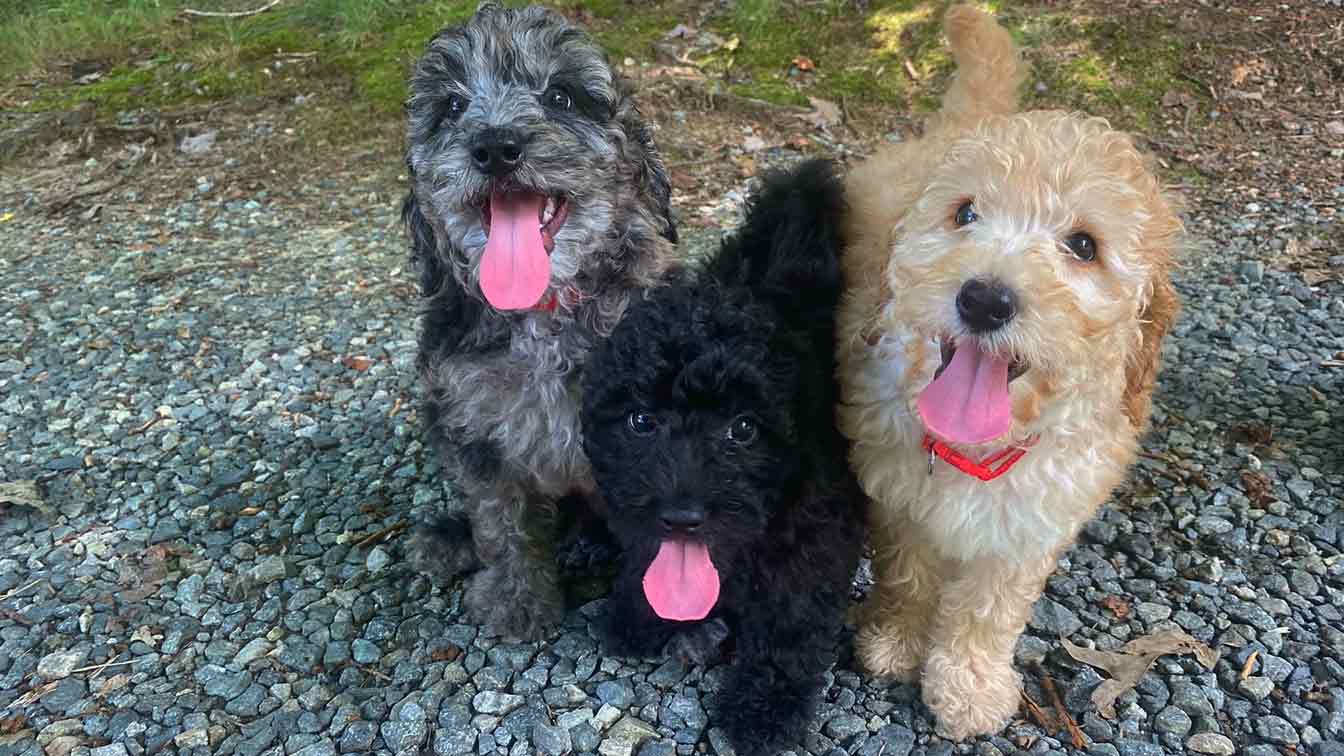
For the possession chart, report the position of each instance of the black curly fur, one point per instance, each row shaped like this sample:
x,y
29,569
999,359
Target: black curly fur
x,y
750,335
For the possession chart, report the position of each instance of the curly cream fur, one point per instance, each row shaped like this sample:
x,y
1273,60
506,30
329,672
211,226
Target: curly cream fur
x,y
961,561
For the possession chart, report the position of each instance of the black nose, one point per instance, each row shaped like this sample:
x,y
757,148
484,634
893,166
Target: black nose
x,y
683,517
986,305
496,152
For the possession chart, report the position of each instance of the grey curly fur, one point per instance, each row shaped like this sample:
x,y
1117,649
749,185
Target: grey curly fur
x,y
502,387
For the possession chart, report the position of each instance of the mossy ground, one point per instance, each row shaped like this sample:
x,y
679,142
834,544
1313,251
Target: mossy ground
x,y
889,55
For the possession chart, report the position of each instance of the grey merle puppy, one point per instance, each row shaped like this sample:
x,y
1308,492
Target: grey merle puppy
x,y
538,208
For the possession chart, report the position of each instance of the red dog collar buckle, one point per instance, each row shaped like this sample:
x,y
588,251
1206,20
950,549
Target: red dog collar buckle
x,y
986,469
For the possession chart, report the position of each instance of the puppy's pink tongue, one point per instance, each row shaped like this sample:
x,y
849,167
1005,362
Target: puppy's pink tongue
x,y
968,402
681,583
515,269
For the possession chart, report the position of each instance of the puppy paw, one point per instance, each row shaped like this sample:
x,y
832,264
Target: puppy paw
x,y
890,652
442,549
970,696
761,719
700,644
514,607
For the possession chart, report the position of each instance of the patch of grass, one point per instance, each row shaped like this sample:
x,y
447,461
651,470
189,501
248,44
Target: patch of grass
x,y
1116,67
33,33
890,55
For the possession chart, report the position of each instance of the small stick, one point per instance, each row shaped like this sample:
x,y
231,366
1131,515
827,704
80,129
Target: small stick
x,y
233,14
1075,734
11,594
374,672
144,427
103,666
1041,716
381,535
164,275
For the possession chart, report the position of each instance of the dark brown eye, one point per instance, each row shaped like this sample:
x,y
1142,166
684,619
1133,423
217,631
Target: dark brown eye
x,y
453,109
966,214
742,430
1083,246
558,98
642,423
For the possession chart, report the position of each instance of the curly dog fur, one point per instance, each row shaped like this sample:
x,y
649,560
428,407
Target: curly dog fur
x,y
709,419
1007,289
509,108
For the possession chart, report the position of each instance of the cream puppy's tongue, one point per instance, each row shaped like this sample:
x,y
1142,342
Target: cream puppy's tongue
x,y
682,583
515,269
968,402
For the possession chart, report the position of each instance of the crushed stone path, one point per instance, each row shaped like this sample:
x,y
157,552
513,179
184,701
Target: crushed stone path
x,y
215,399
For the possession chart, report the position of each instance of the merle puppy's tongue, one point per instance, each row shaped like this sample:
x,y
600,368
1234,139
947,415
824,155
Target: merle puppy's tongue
x,y
968,402
515,269
682,583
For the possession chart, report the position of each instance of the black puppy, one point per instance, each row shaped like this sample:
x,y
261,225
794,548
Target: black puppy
x,y
708,417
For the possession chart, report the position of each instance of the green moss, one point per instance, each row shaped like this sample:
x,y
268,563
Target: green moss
x,y
1119,68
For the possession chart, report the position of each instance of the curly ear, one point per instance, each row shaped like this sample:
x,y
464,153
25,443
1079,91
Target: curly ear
x,y
652,173
1141,373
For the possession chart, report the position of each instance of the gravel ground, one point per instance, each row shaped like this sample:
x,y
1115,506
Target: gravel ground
x,y
215,397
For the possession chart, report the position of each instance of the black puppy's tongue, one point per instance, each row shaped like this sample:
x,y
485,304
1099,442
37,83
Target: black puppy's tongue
x,y
681,583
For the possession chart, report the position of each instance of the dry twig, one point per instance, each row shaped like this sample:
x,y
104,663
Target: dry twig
x,y
380,536
229,14
164,275
1075,734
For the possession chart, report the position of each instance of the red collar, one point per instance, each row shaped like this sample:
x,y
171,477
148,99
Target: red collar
x,y
551,301
984,469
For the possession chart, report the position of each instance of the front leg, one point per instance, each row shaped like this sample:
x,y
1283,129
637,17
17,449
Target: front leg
x,y
517,591
785,643
632,629
969,680
893,636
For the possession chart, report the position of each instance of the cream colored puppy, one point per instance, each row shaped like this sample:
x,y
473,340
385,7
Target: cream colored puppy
x,y
1008,291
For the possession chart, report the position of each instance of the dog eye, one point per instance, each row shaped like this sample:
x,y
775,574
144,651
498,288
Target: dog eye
x,y
965,215
742,430
454,108
557,98
1083,246
641,423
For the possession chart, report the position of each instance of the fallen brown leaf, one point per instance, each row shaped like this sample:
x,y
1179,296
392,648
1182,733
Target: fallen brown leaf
x,y
1258,487
12,724
447,653
360,363
1255,432
1249,665
1118,606
113,684
1128,665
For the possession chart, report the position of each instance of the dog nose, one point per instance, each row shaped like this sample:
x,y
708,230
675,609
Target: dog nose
x,y
683,517
986,306
496,152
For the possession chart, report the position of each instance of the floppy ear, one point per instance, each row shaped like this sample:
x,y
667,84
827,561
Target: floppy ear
x,y
423,245
487,6
651,174
454,320
1141,373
